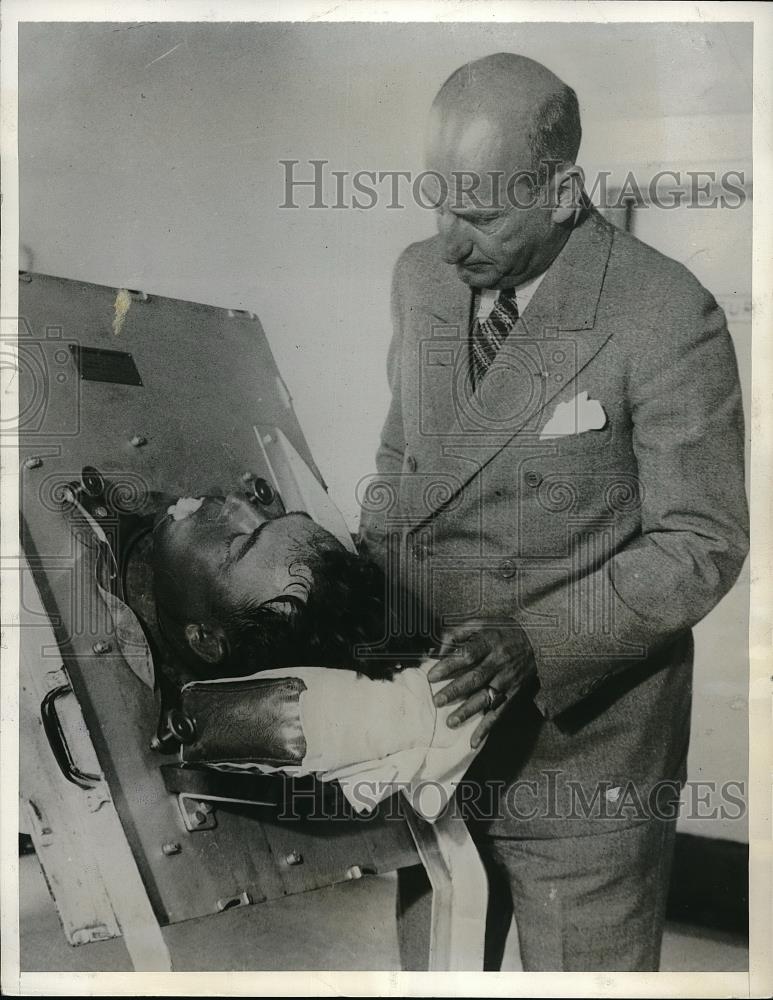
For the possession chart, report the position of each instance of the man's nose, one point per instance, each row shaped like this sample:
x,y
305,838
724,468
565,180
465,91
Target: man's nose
x,y
241,513
457,244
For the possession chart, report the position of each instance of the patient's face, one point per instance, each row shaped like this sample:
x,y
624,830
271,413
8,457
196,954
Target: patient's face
x,y
226,553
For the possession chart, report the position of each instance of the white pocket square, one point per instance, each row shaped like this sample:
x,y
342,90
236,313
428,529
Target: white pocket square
x,y
574,417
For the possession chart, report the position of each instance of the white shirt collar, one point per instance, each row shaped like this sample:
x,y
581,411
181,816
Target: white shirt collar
x,y
523,296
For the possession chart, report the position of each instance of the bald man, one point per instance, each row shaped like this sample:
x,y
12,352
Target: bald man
x,y
561,475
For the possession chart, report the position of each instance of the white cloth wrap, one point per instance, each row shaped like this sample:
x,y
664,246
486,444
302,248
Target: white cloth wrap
x,y
375,737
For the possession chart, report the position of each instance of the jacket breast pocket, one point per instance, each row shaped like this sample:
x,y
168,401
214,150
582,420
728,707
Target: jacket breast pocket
x,y
586,442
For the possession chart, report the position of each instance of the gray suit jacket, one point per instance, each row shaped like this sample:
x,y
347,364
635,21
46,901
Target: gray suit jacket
x,y
607,544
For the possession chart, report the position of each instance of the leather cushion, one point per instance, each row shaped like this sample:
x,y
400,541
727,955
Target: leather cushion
x,y
245,721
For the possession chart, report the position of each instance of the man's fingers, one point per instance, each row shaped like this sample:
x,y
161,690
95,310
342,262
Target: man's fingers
x,y
457,661
477,702
467,683
483,728
455,636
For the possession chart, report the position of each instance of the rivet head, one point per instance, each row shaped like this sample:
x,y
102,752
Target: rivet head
x,y
138,441
294,858
101,647
33,462
533,479
507,569
100,511
202,813
170,849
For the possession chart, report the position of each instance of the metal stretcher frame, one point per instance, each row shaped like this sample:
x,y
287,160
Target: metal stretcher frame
x,y
57,788
100,815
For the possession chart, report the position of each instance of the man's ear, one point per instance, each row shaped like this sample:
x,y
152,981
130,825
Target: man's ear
x,y
208,642
568,192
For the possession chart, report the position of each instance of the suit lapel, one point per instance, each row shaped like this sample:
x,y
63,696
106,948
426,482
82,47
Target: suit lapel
x,y
549,346
442,345
555,338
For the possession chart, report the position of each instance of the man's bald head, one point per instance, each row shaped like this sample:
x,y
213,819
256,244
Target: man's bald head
x,y
505,112
504,134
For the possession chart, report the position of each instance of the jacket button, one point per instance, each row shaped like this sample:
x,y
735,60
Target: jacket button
x,y
411,464
507,569
533,479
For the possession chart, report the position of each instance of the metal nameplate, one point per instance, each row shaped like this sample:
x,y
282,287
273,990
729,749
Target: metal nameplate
x,y
95,364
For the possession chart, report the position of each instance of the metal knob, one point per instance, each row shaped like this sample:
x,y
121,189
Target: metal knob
x,y
263,491
92,481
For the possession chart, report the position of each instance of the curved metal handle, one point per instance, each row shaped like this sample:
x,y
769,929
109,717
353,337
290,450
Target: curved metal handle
x,y
52,727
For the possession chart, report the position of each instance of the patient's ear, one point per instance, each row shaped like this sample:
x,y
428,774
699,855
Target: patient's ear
x,y
208,642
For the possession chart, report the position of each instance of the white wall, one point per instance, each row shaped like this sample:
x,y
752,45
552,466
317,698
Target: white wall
x,y
149,158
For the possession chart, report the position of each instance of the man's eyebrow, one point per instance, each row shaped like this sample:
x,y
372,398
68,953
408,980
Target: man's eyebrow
x,y
249,543
255,535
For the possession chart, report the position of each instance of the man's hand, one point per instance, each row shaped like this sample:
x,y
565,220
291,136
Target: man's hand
x,y
481,655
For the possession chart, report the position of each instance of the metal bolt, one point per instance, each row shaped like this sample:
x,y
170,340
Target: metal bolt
x,y
23,276
33,462
101,647
294,858
202,813
100,511
138,441
507,569
81,937
354,872
170,849
155,743
533,479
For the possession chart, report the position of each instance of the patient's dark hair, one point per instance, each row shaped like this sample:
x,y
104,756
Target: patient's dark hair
x,y
347,622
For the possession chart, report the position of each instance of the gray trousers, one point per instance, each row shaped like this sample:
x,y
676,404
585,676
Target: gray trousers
x,y
592,903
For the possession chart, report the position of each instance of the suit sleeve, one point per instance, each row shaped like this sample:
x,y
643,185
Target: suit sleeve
x,y
688,439
380,493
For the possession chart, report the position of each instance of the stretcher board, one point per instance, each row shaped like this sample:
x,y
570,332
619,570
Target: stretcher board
x,y
175,397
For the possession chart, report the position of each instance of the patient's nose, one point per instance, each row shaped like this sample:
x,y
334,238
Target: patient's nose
x,y
241,514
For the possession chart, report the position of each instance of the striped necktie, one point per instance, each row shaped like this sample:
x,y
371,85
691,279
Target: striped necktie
x,y
489,334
